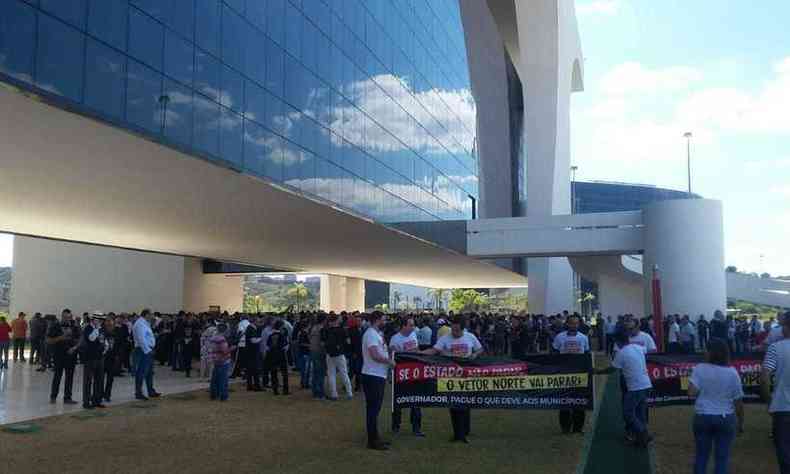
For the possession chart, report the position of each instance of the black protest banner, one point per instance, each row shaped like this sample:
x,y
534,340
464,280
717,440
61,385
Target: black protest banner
x,y
542,381
670,376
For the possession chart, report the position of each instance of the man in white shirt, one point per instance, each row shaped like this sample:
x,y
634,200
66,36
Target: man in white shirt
x,y
405,340
571,341
630,359
144,343
375,367
462,344
672,337
777,363
636,336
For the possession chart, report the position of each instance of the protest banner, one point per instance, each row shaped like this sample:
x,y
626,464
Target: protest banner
x,y
541,381
670,376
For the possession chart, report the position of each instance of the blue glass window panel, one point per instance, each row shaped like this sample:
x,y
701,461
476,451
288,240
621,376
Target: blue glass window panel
x,y
206,130
232,95
274,68
107,20
296,89
73,12
179,58
17,39
207,75
311,46
207,25
60,47
254,147
143,93
256,13
105,73
158,9
254,102
238,5
275,119
293,30
178,112
292,127
233,29
273,157
255,57
292,160
231,137
181,17
146,39
275,20
307,171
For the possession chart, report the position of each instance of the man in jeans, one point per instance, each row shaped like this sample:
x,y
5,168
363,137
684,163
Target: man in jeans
x,y
144,343
630,359
777,363
376,364
220,359
335,342
317,356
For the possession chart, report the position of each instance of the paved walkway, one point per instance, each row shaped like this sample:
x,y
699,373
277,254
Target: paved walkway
x,y
24,393
608,453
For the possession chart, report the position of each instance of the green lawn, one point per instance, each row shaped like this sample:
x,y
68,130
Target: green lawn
x,y
258,432
674,446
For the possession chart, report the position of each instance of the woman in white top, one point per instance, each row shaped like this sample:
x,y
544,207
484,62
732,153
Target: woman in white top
x,y
718,409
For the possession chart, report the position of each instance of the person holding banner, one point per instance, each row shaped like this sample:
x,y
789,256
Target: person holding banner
x,y
405,340
571,341
376,364
458,343
777,363
719,393
630,359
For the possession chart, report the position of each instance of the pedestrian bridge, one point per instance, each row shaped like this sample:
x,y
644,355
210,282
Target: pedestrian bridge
x,y
610,233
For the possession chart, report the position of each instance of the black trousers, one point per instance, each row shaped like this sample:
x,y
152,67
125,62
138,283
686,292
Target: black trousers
x,y
572,419
374,397
62,366
252,371
415,417
781,432
92,382
109,378
35,350
461,418
19,349
274,365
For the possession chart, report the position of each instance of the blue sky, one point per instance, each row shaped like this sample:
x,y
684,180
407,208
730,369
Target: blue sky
x,y
719,69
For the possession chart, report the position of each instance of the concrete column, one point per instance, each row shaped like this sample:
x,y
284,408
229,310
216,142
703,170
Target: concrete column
x,y
201,291
340,293
685,238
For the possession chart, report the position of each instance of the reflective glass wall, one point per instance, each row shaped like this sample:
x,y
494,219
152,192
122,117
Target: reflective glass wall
x,y
365,103
617,197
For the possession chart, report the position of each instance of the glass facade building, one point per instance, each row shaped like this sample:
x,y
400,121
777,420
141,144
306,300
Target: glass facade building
x,y
364,103
619,197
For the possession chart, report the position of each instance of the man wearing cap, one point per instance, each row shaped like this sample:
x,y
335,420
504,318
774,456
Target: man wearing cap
x,y
92,347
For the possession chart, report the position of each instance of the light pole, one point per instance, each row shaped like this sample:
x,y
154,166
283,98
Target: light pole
x,y
688,157
573,188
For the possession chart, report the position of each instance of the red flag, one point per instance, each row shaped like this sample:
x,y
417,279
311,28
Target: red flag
x,y
658,316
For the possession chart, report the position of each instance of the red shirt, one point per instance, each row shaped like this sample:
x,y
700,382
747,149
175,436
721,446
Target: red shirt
x,y
5,332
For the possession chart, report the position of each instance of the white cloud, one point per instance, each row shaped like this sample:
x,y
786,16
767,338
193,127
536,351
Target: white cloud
x,y
598,7
783,191
633,78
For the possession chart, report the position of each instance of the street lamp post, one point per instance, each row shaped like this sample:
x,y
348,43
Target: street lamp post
x,y
688,157
573,188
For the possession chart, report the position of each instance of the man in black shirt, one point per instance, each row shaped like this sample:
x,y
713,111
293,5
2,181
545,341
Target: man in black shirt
x,y
63,339
92,349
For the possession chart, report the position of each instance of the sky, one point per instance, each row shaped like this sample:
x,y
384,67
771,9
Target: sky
x,y
719,69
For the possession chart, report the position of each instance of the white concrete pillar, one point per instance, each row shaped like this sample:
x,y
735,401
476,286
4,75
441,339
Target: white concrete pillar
x,y
340,293
685,238
202,291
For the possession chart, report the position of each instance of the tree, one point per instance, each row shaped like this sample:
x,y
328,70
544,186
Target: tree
x,y
586,301
438,296
765,275
417,302
298,293
731,269
254,304
396,297
468,300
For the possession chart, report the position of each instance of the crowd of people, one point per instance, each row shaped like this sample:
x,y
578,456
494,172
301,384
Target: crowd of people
x,y
358,349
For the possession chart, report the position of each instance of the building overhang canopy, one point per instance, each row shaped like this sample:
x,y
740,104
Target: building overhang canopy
x,y
65,176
